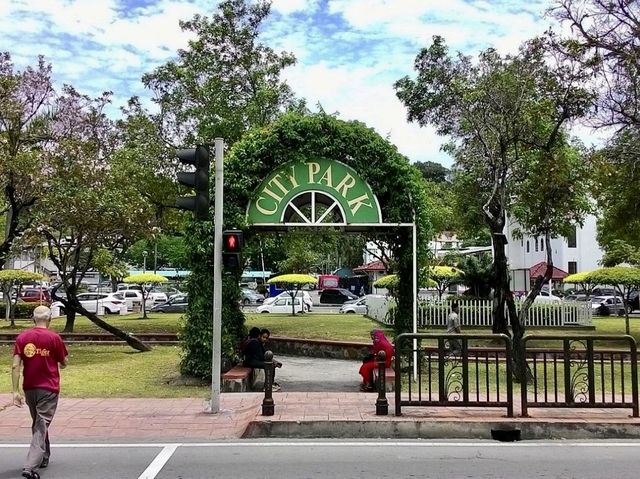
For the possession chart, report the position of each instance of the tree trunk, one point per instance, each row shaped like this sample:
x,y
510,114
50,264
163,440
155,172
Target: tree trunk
x,y
71,320
501,287
74,306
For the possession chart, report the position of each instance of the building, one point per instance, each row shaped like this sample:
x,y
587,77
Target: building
x,y
575,254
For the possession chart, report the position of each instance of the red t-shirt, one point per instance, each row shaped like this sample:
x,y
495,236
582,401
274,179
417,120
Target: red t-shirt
x,y
41,350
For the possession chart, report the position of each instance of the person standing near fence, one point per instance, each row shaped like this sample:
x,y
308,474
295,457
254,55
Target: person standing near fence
x,y
40,353
453,327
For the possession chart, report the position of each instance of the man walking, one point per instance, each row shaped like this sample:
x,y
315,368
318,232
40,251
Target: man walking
x,y
41,352
453,327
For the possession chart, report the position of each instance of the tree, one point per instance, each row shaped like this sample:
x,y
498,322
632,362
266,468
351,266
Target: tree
x,y
14,278
432,171
618,251
505,115
445,276
624,280
604,43
226,82
87,208
293,283
148,281
26,100
582,279
476,274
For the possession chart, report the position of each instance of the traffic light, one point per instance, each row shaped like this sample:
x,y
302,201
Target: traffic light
x,y
232,243
197,180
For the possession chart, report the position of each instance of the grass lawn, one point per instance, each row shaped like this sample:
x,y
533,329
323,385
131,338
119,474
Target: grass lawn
x,y
340,327
116,371
156,323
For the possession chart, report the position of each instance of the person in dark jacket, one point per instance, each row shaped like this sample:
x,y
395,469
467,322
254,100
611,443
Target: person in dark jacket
x,y
254,355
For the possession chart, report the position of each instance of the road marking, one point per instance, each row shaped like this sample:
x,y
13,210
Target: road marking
x,y
302,443
158,463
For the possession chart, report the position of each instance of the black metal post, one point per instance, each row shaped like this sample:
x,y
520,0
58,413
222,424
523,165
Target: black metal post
x,y
268,407
382,405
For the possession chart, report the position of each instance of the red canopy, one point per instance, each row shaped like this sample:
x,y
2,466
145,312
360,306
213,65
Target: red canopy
x,y
539,269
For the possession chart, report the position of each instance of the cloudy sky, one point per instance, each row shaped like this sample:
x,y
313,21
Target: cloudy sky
x,y
350,52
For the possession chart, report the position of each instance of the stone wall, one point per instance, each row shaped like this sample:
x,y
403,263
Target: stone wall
x,y
318,348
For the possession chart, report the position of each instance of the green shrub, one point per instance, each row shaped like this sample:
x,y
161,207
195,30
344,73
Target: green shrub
x,y
22,309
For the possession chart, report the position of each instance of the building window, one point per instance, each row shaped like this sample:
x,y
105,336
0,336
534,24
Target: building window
x,y
573,267
571,239
541,244
535,240
527,246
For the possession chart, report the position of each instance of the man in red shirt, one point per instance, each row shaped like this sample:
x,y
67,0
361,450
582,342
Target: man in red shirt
x,y
41,352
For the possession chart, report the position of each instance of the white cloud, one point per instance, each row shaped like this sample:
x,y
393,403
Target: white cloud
x,y
350,52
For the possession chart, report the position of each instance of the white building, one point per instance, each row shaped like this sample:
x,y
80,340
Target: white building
x,y
575,254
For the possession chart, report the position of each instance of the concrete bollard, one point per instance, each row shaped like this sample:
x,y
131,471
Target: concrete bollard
x,y
268,407
382,405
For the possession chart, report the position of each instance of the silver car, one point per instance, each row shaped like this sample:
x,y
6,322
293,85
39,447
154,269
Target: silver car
x,y
355,306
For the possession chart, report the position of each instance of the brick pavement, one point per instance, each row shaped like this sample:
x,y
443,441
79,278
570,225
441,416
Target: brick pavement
x,y
158,420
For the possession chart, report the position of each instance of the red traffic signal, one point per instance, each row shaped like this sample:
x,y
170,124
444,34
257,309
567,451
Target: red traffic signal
x,y
232,241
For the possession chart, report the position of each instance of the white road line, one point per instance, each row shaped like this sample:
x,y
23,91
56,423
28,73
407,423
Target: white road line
x,y
302,443
158,463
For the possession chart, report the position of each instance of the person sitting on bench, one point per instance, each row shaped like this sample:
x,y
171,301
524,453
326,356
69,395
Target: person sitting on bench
x,y
254,355
369,363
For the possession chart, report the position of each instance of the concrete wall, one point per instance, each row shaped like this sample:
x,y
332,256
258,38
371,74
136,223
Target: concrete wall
x,y
318,349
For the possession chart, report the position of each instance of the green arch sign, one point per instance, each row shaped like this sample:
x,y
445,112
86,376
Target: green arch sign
x,y
314,191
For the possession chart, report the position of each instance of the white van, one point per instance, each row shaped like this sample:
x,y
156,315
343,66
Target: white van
x,y
281,305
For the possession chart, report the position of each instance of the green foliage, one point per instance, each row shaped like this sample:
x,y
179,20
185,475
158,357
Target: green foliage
x,y
293,280
20,310
618,251
197,334
18,276
145,278
398,185
477,274
432,171
616,276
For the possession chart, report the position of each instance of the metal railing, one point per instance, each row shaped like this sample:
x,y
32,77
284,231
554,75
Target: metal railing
x,y
580,375
442,370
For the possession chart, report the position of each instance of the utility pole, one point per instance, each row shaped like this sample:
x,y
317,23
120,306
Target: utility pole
x,y
217,277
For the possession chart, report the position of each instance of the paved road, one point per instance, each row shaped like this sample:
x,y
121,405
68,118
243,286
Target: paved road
x,y
330,375
339,459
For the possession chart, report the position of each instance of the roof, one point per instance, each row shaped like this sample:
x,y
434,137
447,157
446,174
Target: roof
x,y
371,267
539,269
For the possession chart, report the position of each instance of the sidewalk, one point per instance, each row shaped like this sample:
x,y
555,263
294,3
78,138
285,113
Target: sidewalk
x,y
299,415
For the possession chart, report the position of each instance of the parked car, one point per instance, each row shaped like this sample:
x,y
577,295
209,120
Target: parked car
x,y
354,306
545,297
251,297
336,296
111,302
606,305
157,296
177,304
306,298
634,300
575,297
35,295
132,296
282,305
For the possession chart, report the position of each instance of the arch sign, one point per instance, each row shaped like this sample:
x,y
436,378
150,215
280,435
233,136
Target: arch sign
x,y
314,192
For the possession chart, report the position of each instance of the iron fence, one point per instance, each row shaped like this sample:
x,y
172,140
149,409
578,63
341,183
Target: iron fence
x,y
580,374
443,370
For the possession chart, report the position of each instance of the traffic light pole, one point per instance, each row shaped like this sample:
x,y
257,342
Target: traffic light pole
x,y
217,278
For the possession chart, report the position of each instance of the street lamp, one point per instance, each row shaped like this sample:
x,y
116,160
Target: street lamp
x,y
144,261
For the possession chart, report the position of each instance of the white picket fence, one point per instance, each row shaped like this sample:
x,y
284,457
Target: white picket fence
x,y
477,312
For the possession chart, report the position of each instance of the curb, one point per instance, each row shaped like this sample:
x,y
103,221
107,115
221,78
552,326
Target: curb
x,y
438,430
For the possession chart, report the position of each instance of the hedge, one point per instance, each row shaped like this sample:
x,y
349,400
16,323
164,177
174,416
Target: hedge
x,y
22,309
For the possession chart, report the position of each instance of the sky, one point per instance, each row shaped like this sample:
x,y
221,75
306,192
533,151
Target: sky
x,y
349,52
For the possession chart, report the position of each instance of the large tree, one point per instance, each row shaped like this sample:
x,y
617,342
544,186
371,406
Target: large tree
x,y
506,117
26,99
604,40
225,82
87,208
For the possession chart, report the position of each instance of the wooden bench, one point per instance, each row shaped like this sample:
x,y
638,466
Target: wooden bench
x,y
389,378
241,379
